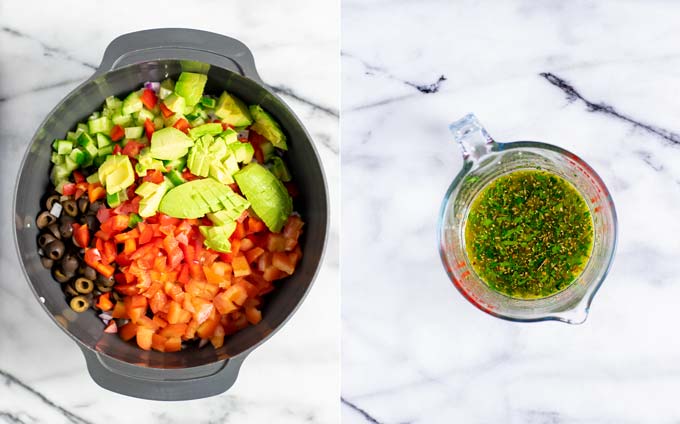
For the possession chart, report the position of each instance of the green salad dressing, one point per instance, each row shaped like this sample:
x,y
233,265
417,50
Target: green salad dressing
x,y
529,234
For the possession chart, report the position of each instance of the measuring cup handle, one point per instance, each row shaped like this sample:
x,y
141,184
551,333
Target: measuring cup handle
x,y
473,139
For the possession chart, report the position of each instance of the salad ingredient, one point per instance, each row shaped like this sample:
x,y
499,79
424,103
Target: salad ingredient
x,y
529,234
169,144
190,86
80,303
196,198
232,111
116,173
267,195
266,126
152,194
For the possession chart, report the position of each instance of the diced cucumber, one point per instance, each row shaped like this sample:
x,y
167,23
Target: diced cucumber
x,y
71,136
105,151
197,122
134,132
94,115
100,125
83,128
103,140
279,168
132,103
143,115
57,159
122,120
167,87
78,156
59,173
158,122
268,150
70,164
93,178
98,161
63,147
208,102
175,177
113,102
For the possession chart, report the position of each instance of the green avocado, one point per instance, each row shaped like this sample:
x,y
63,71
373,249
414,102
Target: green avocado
x,y
217,236
213,128
175,103
116,173
231,110
194,199
267,127
190,86
152,194
267,195
169,143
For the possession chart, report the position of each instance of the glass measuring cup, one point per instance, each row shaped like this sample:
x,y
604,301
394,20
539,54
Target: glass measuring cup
x,y
486,160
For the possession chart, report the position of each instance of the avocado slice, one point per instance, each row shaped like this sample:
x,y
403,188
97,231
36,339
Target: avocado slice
x,y
169,143
267,127
213,128
193,198
279,168
190,86
231,110
152,194
175,103
267,195
116,173
217,236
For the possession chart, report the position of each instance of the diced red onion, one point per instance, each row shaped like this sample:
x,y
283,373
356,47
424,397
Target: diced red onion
x,y
155,86
202,343
105,315
111,328
56,209
242,135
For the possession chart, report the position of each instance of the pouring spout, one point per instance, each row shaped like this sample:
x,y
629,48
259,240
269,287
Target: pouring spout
x,y
473,139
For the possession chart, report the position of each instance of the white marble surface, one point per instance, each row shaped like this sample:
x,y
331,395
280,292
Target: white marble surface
x,y
46,49
413,349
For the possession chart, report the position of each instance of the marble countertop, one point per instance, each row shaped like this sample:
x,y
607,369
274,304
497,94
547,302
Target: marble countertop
x,y
598,78
46,50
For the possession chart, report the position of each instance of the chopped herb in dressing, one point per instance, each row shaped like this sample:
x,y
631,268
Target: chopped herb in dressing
x,y
529,234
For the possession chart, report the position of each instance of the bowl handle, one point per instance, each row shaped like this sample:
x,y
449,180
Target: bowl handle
x,y
180,44
162,383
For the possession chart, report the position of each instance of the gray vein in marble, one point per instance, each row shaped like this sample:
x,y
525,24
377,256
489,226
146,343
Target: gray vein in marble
x,y
573,95
287,91
361,411
49,50
43,88
10,379
12,418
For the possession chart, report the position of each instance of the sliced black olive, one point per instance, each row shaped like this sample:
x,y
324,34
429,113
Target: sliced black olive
x,y
54,230
54,250
83,285
44,219
46,262
51,201
70,263
60,275
83,203
89,273
104,289
105,281
94,207
44,239
66,226
69,290
91,222
80,304
70,207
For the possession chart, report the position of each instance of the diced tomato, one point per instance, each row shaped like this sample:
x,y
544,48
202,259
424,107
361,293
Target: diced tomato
x,y
69,189
149,128
165,111
182,125
126,289
236,294
117,133
272,273
276,242
239,232
173,344
81,235
144,337
177,315
149,98
217,338
253,254
93,258
253,315
128,331
241,266
145,233
224,304
78,177
154,176
207,328
158,301
132,148
104,303
246,245
174,330
282,262
103,214
255,225
187,175
117,150
164,219
119,310
95,192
